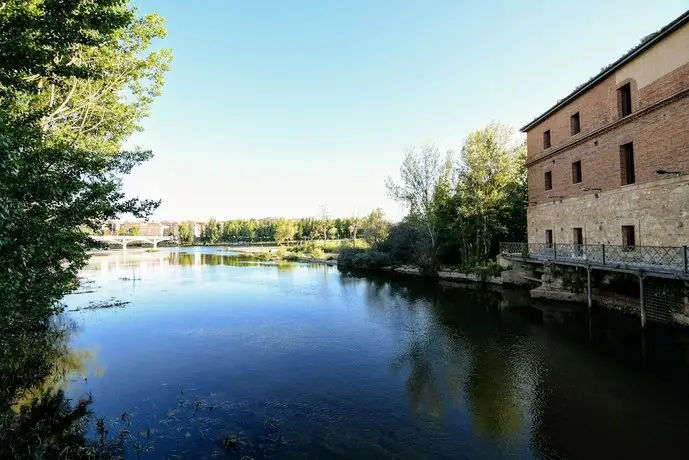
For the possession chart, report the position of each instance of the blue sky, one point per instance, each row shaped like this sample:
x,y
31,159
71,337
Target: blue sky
x,y
273,108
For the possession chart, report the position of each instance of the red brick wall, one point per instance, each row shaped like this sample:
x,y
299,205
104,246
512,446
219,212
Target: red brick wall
x,y
665,86
661,138
597,108
661,141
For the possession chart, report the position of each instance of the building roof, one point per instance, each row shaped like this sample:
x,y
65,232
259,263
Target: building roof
x,y
645,44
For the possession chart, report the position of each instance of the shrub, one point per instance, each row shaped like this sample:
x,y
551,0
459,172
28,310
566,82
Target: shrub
x,y
318,253
282,252
491,269
351,260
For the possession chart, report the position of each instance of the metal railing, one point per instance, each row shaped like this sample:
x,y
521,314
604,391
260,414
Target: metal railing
x,y
644,258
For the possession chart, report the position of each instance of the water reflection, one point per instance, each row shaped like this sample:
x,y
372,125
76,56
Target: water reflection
x,y
299,361
37,420
448,358
523,379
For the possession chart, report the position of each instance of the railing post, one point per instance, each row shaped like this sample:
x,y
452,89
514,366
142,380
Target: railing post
x,y
589,288
684,254
603,252
642,303
554,251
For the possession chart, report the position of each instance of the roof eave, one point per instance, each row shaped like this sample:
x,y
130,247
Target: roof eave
x,y
667,30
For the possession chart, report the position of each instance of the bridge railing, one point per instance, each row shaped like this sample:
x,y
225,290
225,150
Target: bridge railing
x,y
650,258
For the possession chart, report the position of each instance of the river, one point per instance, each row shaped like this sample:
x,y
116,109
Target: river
x,y
290,360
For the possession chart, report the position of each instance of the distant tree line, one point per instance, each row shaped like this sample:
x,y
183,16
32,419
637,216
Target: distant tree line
x,y
459,208
372,227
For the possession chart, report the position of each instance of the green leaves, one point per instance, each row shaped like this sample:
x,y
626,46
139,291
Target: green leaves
x,y
459,208
76,79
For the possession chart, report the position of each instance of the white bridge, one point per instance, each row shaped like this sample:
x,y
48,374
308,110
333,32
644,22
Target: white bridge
x,y
125,240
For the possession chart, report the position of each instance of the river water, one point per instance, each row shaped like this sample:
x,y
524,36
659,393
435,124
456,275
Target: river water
x,y
299,361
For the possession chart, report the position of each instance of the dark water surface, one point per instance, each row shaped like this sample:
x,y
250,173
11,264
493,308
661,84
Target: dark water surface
x,y
299,361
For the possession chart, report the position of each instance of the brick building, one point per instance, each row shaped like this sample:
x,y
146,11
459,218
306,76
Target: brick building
x,y
609,163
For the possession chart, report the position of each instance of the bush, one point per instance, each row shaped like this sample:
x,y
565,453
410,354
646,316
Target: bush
x,y
491,269
351,260
282,252
317,253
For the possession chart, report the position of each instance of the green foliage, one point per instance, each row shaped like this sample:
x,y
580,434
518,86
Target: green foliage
x,y
285,230
491,193
318,253
491,270
375,227
460,210
408,243
212,231
186,232
76,80
423,184
352,260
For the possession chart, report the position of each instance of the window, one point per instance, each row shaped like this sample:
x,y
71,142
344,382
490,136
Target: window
x,y
624,98
549,238
574,125
546,140
628,240
548,180
627,163
577,235
576,172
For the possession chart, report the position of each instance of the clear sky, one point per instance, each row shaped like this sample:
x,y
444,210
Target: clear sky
x,y
273,108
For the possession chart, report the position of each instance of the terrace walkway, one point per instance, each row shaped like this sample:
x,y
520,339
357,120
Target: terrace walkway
x,y
660,261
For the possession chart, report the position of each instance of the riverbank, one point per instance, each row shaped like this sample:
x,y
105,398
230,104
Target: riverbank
x,y
448,274
281,253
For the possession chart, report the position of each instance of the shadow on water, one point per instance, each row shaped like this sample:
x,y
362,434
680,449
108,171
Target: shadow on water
x,y
579,385
454,351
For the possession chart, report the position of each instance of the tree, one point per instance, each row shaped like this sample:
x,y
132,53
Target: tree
x,y
323,224
285,230
354,225
212,231
186,232
76,80
376,228
422,175
134,230
491,191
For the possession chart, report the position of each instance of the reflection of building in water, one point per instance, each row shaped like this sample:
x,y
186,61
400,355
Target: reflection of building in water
x,y
611,408
126,261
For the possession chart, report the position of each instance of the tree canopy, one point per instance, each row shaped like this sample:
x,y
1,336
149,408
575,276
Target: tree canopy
x,y
76,80
459,208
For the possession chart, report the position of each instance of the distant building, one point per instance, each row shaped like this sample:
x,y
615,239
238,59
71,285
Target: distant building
x,y
198,229
141,228
609,163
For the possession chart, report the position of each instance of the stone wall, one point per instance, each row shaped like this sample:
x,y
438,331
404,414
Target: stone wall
x,y
660,139
659,212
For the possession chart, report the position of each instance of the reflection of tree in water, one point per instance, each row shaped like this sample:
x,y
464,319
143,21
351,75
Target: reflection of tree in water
x,y
453,343
492,392
65,363
187,259
36,419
